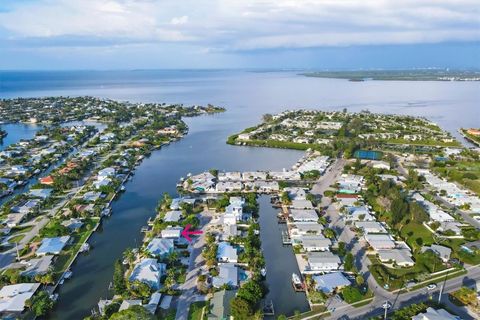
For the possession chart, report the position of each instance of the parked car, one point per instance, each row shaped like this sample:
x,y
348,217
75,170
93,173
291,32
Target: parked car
x,y
386,305
431,287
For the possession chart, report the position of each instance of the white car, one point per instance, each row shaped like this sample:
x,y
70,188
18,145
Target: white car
x,y
386,305
431,287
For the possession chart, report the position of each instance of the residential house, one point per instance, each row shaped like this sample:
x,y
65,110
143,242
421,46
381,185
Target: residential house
x,y
380,241
370,226
13,297
226,253
322,262
330,282
52,245
303,215
315,243
435,314
148,271
160,247
228,275
220,305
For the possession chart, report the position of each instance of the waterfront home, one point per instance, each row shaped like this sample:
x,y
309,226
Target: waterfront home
x,y
329,282
295,193
319,163
172,232
126,304
324,261
262,186
285,175
380,241
303,215
105,182
399,256
148,271
228,186
91,196
48,180
18,170
52,245
229,176
204,182
73,224
454,226
13,297
254,175
315,243
40,193
177,202
160,247
227,275
370,226
301,204
435,314
36,266
441,251
172,216
300,229
220,305
226,253
105,173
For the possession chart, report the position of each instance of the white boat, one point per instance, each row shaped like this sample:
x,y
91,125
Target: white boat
x,y
54,296
68,274
296,280
106,212
84,248
122,188
263,272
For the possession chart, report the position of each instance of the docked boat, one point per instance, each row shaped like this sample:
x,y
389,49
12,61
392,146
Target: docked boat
x,y
263,272
122,188
106,212
297,282
68,274
84,248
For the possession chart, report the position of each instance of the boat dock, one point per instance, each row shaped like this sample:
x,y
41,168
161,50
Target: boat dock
x,y
286,240
268,308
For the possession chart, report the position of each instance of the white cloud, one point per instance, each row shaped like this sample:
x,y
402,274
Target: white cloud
x,y
179,20
247,24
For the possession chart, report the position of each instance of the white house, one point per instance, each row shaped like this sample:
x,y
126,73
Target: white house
x,y
160,247
300,215
13,297
148,271
226,253
322,262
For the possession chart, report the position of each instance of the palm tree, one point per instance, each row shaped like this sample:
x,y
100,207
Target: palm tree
x,y
129,256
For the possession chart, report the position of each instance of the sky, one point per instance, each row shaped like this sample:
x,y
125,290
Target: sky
x,y
304,34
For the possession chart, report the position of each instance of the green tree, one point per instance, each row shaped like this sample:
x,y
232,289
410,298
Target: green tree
x,y
251,291
348,263
119,284
329,233
359,280
40,304
240,309
341,248
133,313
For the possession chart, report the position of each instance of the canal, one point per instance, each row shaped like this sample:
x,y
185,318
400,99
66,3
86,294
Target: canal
x,y
281,263
202,149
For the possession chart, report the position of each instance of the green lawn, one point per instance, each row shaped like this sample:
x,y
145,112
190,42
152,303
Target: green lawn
x,y
413,231
195,311
466,173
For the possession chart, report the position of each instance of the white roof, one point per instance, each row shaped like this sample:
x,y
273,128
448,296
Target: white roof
x,y
433,314
148,271
304,215
13,297
173,216
160,246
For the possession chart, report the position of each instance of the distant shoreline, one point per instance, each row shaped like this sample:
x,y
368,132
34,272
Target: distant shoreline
x,y
397,75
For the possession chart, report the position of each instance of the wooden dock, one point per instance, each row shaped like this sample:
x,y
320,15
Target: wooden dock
x,y
286,240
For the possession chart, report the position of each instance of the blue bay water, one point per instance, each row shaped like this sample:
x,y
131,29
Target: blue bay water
x,y
246,95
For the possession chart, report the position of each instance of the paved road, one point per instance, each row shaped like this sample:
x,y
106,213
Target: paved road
x,y
196,263
472,279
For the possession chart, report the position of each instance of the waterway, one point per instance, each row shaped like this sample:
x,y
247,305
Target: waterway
x,y
246,95
279,275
